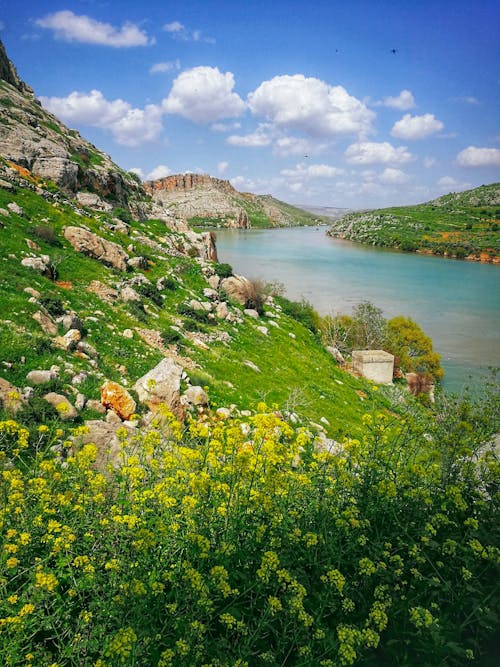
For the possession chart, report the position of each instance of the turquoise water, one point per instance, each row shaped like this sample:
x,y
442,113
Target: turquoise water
x,y
457,303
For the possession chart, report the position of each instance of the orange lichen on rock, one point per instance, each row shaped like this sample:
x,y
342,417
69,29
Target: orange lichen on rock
x,y
116,397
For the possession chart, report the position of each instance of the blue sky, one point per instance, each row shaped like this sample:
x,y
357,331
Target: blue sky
x,y
351,104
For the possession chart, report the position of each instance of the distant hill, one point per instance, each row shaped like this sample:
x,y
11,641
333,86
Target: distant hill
x,y
464,225
213,202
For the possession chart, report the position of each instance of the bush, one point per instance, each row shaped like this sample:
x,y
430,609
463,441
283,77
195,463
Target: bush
x,y
171,337
302,311
53,305
137,310
193,313
223,270
150,292
412,348
47,234
222,545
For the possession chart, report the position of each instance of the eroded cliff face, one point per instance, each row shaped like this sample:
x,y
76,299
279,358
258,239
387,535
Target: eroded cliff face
x,y
200,196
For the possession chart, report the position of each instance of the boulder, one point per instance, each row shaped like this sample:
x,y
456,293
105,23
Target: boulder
x,y
94,246
103,436
97,406
61,170
116,397
161,385
40,264
41,377
46,322
86,348
214,281
32,245
195,396
15,208
222,311
71,321
251,312
92,200
129,294
10,396
61,404
263,330
104,292
69,340
138,263
32,292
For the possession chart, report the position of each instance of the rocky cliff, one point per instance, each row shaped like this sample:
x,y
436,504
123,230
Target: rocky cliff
x,y
34,139
209,201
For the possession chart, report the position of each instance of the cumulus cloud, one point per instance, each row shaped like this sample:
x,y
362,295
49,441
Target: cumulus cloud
x,y
416,127
311,106
204,95
179,31
393,176
312,171
257,139
138,171
468,99
167,66
159,171
285,146
370,152
225,127
479,157
129,126
450,184
72,27
403,101
429,162
222,166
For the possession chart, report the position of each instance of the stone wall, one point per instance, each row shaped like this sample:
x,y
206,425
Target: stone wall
x,y
375,365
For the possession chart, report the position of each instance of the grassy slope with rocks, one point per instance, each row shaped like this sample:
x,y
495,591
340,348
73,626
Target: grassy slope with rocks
x,y
380,548
462,225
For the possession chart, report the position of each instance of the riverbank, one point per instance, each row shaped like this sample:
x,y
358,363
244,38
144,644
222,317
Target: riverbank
x,y
456,303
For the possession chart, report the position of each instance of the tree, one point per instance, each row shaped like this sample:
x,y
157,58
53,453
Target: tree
x,y
412,349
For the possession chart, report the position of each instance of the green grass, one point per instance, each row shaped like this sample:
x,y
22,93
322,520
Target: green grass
x,y
455,225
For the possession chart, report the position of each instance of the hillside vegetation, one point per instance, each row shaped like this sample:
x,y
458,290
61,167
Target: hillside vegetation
x,y
188,478
465,225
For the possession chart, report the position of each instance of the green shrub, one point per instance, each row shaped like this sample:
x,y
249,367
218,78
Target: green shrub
x,y
171,336
150,292
53,305
223,270
136,309
47,234
193,313
302,311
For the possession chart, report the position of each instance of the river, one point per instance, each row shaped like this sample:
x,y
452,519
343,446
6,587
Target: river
x,y
456,302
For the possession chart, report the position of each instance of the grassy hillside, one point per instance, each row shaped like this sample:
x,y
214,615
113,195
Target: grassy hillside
x,y
462,225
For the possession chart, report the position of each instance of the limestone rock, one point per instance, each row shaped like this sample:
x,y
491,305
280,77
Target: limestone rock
x,y
116,397
138,263
161,385
103,436
32,245
195,395
71,321
106,293
15,208
46,322
69,340
222,311
10,396
33,292
59,169
251,312
41,263
94,246
41,376
251,365
263,330
62,405
92,200
87,348
97,406
128,333
336,354
214,281
129,294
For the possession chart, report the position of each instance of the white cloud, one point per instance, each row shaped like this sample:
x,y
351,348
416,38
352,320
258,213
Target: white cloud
x,y
285,146
72,27
129,126
179,31
167,66
403,101
159,171
393,176
468,99
255,139
369,152
222,166
311,106
225,127
204,95
138,171
416,127
450,184
428,162
312,171
479,157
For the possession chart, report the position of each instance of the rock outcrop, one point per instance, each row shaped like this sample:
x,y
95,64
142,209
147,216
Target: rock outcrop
x,y
116,397
94,246
161,385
